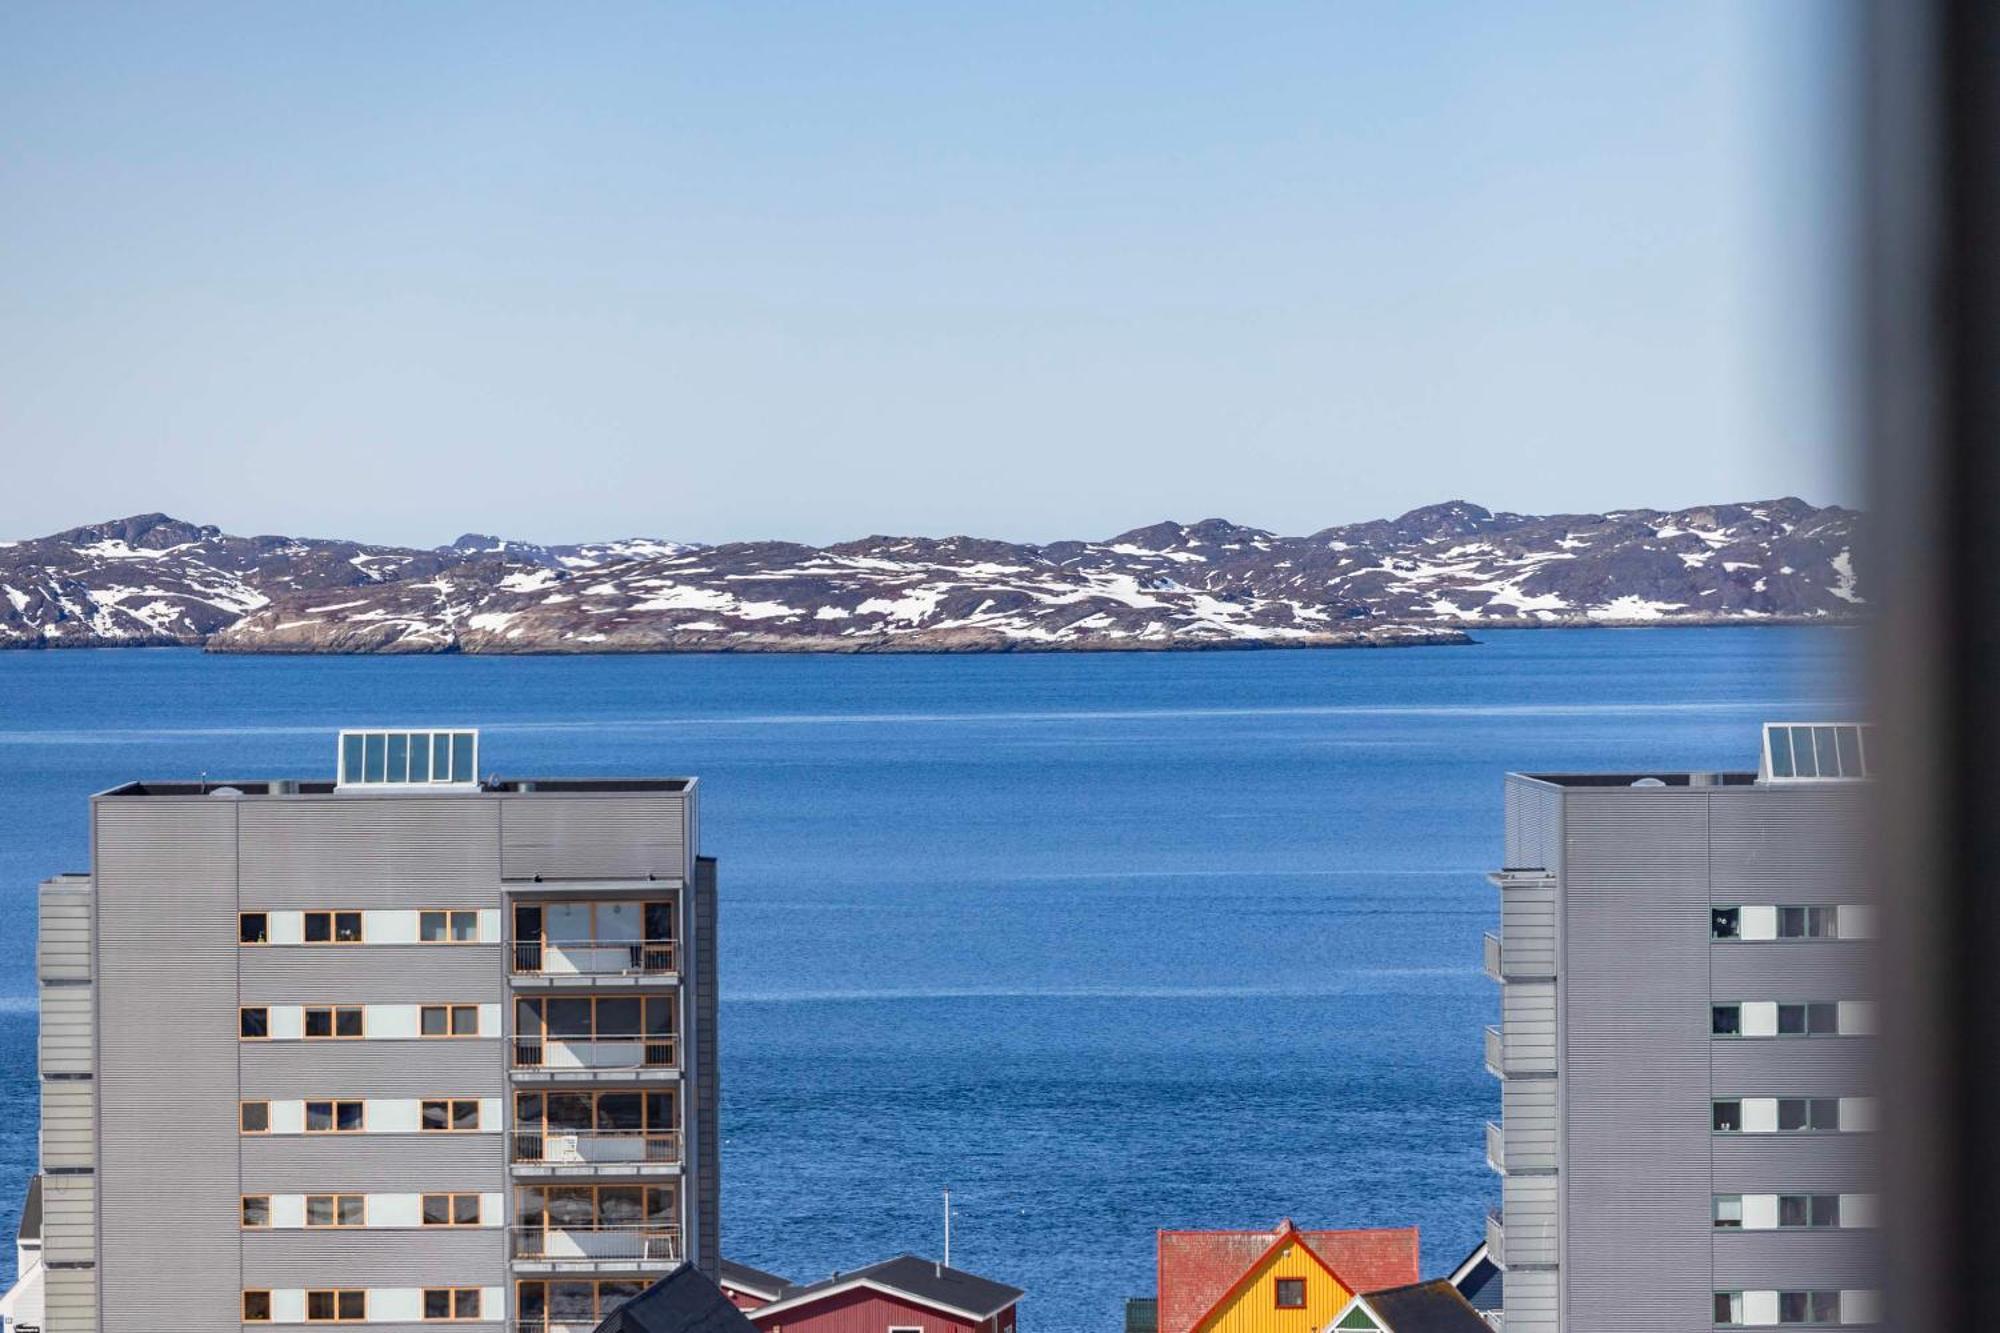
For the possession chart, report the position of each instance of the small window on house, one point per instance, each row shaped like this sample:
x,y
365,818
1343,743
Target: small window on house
x,y
253,928
256,1307
317,927
1729,1210
449,1020
1726,1020
1729,1307
1808,1114
254,1117
451,1210
327,1307
335,1117
452,1303
453,927
1807,923
253,1024
336,1210
1823,1020
347,927
1817,1211
1291,1293
1725,923
1728,1117
457,1114
256,1210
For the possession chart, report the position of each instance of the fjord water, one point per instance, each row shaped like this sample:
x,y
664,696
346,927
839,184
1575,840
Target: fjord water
x,y
1105,943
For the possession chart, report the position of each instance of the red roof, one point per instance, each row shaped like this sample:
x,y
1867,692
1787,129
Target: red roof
x,y
1197,1268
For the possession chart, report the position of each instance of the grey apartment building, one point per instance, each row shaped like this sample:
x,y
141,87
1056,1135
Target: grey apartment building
x,y
401,1048
1685,1049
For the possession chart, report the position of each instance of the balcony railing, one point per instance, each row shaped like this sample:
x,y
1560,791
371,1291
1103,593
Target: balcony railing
x,y
598,1246
1496,1237
1496,1147
593,958
594,1054
597,1147
1492,955
1496,1058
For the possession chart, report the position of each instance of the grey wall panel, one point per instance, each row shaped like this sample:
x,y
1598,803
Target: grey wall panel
x,y
295,1163
70,1300
1786,1163
165,871
1528,1026
1794,1066
377,973
1529,1123
1793,970
1528,929
432,1257
69,1218
594,836
374,1068
371,851
1533,836
1797,844
1531,1302
69,1127
1528,1204
67,1019
1634,973
1798,1260
62,937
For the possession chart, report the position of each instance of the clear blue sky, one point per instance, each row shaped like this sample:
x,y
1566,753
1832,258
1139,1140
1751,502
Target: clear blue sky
x,y
816,270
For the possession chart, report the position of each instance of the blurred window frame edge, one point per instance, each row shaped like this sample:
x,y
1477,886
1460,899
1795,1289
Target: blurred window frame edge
x,y
1930,344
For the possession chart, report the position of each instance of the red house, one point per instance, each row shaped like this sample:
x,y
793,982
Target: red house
x,y
901,1295
750,1288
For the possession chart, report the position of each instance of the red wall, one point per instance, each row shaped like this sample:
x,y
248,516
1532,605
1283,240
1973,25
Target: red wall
x,y
742,1300
866,1311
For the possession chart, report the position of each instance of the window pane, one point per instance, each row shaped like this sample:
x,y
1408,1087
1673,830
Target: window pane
x,y
465,1303
440,757
347,1023
255,1023
376,758
659,1110
1803,764
319,1210
660,1016
437,1115
351,1115
461,757
350,759
1729,1210
420,757
465,1209
569,1017
257,1210
437,1303
256,1117
571,1208
572,1302
1791,1020
1791,922
432,1021
256,1307
618,1017
620,1110
319,1305
437,1210
1826,1113
353,1210
399,756
1791,1307
1849,741
1726,1020
1781,752
1826,1210
319,1022
319,1115
1820,922
465,927
1825,1307
659,921
1793,1210
1729,1115
253,928
465,1115
1823,1020
1791,1113
431,927
347,927
571,1111
1827,752
621,1205
1725,922
318,927
465,1020
353,1305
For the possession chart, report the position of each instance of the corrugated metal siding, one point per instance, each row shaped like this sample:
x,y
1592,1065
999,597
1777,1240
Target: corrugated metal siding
x,y
69,1218
1823,1163
165,871
1794,1066
66,1044
284,1069
376,973
69,1130
1533,825
62,937
708,1084
1531,1302
1635,1167
1797,844
434,1257
1528,1122
1529,1206
1792,969
596,836
70,1300
295,1163
371,852
1528,1026
1798,1260
1528,929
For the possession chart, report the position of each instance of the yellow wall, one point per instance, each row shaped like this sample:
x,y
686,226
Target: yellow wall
x,y
1255,1308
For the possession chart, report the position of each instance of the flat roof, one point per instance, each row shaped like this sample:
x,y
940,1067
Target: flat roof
x,y
281,788
1664,778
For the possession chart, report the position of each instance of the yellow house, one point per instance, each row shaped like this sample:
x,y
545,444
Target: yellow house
x,y
1280,1281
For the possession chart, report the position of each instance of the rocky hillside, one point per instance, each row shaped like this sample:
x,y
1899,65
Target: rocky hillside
x,y
1420,578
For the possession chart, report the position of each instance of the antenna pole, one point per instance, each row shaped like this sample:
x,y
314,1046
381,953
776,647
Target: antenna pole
x,y
947,1226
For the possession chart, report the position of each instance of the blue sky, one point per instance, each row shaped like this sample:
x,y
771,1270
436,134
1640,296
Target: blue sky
x,y
812,271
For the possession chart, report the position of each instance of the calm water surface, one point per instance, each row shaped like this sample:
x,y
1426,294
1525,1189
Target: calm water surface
x,y
1104,943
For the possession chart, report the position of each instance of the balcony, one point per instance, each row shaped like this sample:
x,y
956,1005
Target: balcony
x,y
1492,948
1496,1238
595,1248
594,1152
598,964
1496,1054
650,1058
1496,1148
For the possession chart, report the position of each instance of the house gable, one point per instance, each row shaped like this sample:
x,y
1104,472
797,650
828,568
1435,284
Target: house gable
x,y
1251,1303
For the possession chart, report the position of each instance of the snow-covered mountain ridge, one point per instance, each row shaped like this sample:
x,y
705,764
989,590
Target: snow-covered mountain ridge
x,y
1420,578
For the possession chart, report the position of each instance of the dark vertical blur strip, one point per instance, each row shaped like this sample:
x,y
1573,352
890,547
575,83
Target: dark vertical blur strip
x,y
1933,424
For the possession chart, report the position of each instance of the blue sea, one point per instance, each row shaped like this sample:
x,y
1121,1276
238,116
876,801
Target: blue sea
x,y
1104,943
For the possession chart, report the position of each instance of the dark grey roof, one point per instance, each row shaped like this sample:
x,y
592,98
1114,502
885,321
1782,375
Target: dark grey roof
x,y
745,1278
31,1211
923,1280
684,1301
1479,1280
1426,1307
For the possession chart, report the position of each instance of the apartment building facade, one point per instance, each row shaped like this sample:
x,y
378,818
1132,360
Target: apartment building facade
x,y
1685,1050
403,1048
